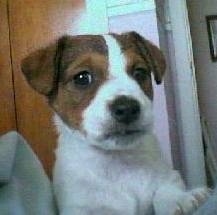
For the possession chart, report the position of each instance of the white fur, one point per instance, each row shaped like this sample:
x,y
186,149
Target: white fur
x,y
90,179
97,118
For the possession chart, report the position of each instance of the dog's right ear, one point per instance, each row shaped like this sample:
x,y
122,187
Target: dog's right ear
x,y
41,68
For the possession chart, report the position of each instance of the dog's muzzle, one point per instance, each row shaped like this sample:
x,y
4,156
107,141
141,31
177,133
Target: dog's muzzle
x,y
125,110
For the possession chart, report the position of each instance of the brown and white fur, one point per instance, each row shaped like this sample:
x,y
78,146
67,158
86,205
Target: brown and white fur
x,y
108,161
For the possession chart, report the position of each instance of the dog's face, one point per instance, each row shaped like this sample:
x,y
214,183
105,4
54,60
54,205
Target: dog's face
x,y
99,85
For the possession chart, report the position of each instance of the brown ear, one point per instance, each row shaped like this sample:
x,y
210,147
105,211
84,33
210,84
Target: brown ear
x,y
152,54
41,67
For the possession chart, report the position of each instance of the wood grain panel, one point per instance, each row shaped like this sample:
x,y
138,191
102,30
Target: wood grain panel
x,y
34,24
7,108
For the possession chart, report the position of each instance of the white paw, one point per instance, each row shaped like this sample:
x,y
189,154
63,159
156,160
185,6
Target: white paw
x,y
172,202
190,201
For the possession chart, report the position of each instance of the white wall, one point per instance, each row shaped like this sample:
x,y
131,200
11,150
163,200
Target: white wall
x,y
145,23
206,70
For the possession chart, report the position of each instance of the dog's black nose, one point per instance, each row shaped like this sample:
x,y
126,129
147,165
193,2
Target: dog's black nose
x,y
125,109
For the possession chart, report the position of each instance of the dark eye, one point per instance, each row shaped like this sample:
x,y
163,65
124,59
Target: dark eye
x,y
83,79
141,74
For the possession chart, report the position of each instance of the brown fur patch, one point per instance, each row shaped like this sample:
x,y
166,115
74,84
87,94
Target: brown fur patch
x,y
150,53
135,61
50,71
70,101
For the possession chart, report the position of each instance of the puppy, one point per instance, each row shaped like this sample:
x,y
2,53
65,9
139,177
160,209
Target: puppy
x,y
108,161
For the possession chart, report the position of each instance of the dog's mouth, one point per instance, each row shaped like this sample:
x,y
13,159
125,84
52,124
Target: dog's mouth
x,y
119,137
123,133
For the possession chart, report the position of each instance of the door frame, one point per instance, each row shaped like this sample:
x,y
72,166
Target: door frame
x,y
186,97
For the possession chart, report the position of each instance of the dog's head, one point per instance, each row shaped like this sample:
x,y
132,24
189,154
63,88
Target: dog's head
x,y
99,85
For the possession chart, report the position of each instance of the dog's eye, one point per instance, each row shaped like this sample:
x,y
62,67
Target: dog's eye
x,y
83,79
141,74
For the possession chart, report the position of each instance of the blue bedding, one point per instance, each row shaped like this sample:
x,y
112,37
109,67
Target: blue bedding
x,y
26,190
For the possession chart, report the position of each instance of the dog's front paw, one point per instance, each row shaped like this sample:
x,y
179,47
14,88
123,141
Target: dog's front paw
x,y
200,195
179,202
190,201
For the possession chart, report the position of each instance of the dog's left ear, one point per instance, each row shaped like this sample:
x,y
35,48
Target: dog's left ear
x,y
152,54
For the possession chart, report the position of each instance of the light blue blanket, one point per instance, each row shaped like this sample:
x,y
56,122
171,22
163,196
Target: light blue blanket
x,y
24,187
26,190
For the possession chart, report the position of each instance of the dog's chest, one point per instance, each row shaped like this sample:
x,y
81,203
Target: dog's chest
x,y
109,173
134,178
130,179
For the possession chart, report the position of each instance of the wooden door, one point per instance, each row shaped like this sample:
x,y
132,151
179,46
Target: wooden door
x,y
34,24
7,107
